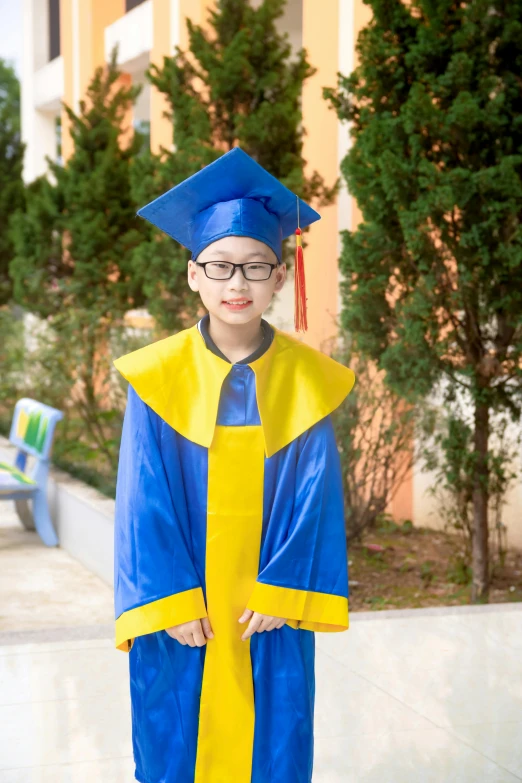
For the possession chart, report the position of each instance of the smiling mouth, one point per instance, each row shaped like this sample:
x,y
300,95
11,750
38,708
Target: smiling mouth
x,y
237,302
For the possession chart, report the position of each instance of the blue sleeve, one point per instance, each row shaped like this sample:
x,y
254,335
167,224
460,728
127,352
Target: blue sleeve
x,y
314,553
156,584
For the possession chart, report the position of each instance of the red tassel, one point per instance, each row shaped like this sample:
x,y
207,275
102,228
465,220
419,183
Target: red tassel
x,y
300,320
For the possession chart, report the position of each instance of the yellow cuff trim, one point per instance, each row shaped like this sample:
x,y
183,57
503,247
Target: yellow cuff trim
x,y
305,609
158,615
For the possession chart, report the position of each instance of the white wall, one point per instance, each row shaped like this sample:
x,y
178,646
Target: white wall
x,y
426,506
41,90
133,33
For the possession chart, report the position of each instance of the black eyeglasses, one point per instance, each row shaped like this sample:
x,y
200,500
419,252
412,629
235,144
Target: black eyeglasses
x,y
224,270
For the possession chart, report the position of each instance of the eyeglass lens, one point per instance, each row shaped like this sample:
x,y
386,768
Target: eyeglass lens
x,y
222,270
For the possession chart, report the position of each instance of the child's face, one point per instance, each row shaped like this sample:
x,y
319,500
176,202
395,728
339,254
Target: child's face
x,y
214,293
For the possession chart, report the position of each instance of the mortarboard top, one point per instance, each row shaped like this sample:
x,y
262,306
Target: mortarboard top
x,y
234,196
189,212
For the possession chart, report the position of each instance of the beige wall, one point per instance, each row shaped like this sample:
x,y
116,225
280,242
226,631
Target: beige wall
x,y
160,127
82,26
168,33
320,39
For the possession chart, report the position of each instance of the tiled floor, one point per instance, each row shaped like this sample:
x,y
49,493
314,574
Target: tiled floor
x,y
430,696
425,695
41,587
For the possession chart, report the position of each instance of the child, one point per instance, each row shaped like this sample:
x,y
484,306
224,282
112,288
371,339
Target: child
x,y
229,502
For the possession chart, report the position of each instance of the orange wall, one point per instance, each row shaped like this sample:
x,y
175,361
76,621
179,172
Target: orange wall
x,y
93,18
320,39
197,11
362,15
160,127
104,13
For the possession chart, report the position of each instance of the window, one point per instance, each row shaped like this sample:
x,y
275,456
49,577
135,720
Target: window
x,y
54,29
130,4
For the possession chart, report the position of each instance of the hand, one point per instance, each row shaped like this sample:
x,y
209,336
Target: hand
x,y
194,633
259,622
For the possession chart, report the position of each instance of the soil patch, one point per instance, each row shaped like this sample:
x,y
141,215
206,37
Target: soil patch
x,y
400,567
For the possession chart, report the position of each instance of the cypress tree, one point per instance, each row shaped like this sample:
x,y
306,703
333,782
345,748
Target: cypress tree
x,y
74,245
11,160
433,285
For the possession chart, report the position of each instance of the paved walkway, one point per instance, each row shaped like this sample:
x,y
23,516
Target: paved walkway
x,y
425,696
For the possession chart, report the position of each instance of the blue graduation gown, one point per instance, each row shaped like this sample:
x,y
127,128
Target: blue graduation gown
x,y
228,497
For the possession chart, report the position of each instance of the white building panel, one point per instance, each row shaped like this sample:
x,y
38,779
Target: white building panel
x,y
133,33
49,86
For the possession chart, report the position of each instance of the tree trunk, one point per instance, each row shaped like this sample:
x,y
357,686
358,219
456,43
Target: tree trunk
x,y
480,556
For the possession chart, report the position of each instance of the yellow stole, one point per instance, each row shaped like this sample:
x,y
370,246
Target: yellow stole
x,y
181,380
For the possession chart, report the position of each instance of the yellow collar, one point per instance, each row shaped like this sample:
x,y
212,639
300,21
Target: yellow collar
x,y
181,380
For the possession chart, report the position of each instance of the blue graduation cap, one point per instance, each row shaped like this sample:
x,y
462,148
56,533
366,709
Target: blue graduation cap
x,y
235,196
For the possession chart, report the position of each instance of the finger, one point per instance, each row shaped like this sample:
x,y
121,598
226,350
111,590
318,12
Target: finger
x,y
207,628
252,627
281,623
269,623
190,640
247,614
199,637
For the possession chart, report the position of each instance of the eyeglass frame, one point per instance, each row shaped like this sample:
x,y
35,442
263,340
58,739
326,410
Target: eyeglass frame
x,y
235,266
